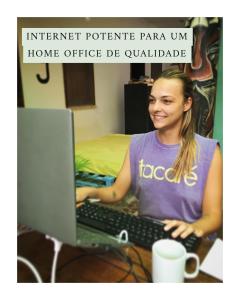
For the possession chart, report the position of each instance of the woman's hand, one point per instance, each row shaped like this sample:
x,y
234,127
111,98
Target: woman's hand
x,y
82,193
183,229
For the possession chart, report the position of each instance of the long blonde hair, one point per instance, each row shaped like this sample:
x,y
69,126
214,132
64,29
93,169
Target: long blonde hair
x,y
188,148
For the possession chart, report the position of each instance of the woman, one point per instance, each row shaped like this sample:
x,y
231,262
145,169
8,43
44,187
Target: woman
x,y
175,173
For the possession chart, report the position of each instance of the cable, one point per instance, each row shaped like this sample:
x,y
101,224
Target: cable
x,y
32,267
128,260
148,278
74,259
106,261
128,272
147,273
54,264
57,248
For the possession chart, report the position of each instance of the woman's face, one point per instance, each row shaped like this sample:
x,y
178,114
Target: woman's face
x,y
166,103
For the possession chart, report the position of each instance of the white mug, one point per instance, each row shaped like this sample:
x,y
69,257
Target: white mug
x,y
169,260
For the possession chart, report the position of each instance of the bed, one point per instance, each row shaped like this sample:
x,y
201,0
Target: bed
x,y
103,155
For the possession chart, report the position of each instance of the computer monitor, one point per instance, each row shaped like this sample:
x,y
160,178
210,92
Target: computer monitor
x,y
46,178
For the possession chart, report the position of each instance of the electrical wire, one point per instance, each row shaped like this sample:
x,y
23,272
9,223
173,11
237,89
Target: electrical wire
x,y
128,260
98,254
31,267
59,269
57,248
120,253
54,265
147,273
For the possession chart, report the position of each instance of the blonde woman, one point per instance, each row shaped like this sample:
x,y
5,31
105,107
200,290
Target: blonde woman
x,y
175,173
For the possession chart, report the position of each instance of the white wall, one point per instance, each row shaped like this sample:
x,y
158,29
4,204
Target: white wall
x,y
38,95
91,122
108,115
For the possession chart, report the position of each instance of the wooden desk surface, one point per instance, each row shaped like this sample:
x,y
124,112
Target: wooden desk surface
x,y
90,265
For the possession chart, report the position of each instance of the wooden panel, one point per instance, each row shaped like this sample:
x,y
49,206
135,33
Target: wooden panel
x,y
79,84
156,70
20,102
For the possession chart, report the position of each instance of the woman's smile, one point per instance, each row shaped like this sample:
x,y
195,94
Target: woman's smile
x,y
158,117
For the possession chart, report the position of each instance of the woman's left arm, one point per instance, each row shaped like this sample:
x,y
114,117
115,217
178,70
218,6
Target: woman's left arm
x,y
211,219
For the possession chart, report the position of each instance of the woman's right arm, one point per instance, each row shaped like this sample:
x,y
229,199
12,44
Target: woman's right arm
x,y
113,193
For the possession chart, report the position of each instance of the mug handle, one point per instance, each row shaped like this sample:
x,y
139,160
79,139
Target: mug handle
x,y
195,273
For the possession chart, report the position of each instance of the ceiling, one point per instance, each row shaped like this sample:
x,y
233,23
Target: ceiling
x,y
134,22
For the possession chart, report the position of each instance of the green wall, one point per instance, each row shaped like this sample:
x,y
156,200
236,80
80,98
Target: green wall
x,y
218,118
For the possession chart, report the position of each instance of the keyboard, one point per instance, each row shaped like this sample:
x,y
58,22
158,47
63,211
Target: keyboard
x,y
142,231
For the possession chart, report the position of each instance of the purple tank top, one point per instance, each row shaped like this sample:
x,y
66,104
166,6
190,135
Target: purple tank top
x,y
160,196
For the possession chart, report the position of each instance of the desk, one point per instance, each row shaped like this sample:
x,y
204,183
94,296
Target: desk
x,y
88,265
